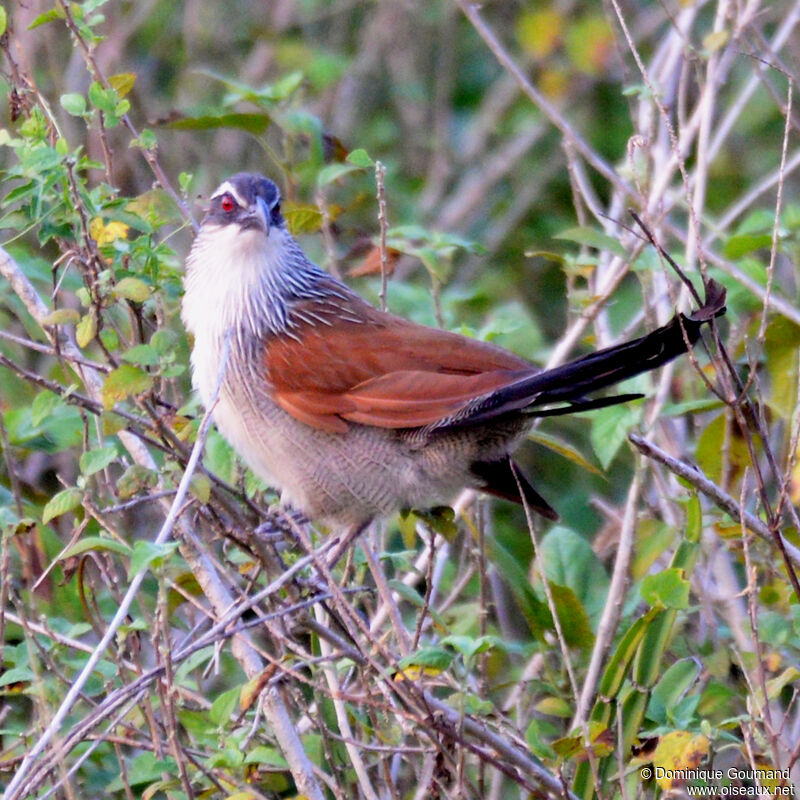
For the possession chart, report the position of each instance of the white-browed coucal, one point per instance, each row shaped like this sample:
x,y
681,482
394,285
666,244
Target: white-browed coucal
x,y
355,413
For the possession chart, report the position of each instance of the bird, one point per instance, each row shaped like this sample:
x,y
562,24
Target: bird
x,y
353,413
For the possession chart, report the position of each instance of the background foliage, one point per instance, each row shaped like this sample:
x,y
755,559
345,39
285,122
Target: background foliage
x,y
659,624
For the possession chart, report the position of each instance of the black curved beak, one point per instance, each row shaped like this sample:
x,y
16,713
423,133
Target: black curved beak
x,y
258,216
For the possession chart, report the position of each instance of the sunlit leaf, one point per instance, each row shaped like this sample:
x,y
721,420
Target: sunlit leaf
x,y
122,83
678,750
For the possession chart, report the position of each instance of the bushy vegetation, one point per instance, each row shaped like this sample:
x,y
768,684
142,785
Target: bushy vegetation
x,y
168,631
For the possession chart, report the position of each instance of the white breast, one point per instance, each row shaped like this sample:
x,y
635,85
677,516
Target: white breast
x,y
223,272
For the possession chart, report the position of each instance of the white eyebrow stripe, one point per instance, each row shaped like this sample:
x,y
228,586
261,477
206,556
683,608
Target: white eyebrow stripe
x,y
226,187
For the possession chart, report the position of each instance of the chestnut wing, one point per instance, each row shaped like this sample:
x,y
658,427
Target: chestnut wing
x,y
348,362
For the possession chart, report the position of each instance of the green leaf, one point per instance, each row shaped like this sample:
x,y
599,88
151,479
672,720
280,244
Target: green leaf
x,y
133,289
675,682
780,359
470,646
360,158
147,140
434,658
653,537
738,246
572,617
569,560
3,20
408,593
280,90
74,104
146,554
667,589
66,500
535,611
143,354
777,684
713,458
333,172
261,754
610,428
284,87
252,123
593,238
538,742
617,666
96,543
94,460
144,768
16,675
124,381
224,707
48,16
44,404
102,98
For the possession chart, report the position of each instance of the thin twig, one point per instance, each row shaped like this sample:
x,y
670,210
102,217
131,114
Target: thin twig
x,y
380,180
708,488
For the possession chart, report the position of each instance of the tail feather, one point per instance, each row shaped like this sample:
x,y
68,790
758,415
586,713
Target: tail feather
x,y
504,479
571,383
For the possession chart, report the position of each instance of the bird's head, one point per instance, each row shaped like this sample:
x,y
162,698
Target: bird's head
x,y
245,267
244,202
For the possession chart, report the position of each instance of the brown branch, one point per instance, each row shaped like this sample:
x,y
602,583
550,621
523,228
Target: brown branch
x,y
722,499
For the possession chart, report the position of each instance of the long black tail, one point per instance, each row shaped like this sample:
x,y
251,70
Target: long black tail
x,y
571,383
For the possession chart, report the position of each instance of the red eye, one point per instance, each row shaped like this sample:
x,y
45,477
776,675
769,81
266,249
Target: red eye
x,y
227,204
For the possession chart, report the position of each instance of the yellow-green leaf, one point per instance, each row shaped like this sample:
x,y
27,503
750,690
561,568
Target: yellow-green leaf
x,y
678,750
123,82
776,685
539,31
200,487
554,707
302,218
86,329
62,316
133,289
715,41
134,479
563,449
124,381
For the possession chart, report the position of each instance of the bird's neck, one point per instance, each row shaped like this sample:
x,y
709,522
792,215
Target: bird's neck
x,y
245,283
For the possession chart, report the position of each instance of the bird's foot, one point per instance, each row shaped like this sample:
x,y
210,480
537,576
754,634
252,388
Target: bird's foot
x,y
279,522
